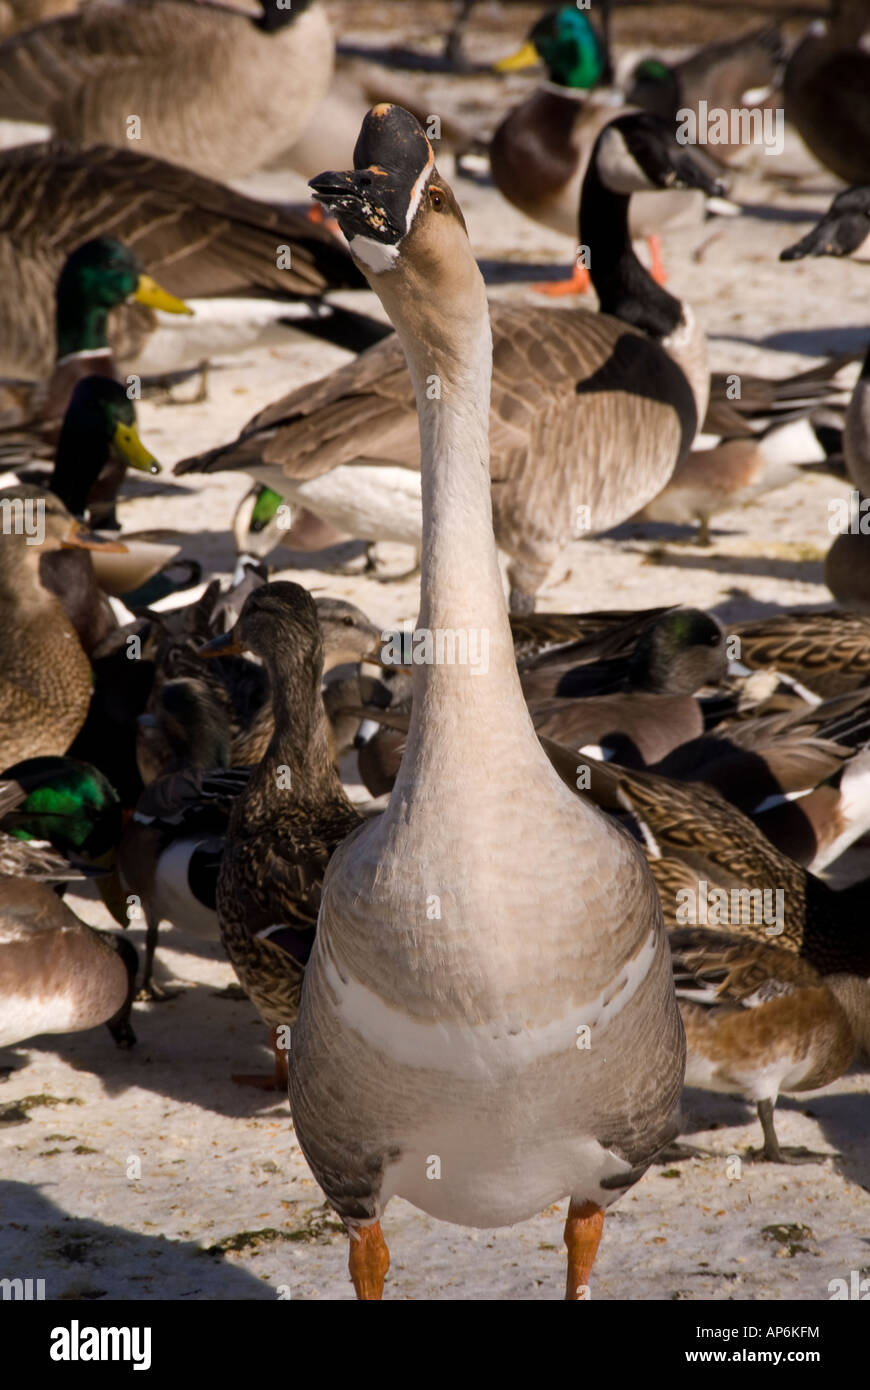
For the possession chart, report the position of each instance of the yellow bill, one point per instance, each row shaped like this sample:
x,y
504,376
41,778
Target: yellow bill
x,y
156,297
525,57
131,449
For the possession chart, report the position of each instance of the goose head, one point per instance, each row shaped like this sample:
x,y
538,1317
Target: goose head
x,y
406,232
843,231
639,151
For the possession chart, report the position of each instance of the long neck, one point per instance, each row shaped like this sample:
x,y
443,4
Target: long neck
x,y
624,288
81,324
462,596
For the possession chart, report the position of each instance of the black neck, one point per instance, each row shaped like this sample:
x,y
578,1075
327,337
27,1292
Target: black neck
x,y
624,288
78,463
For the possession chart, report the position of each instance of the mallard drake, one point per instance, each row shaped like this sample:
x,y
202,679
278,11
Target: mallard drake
x,y
98,442
60,818
567,462
287,821
827,92
442,1025
96,278
213,88
760,1021
202,238
540,151
45,677
58,974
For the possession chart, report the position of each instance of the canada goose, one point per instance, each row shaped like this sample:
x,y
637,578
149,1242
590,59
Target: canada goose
x,y
59,975
447,1027
45,677
210,87
199,237
734,73
827,92
566,460
760,1021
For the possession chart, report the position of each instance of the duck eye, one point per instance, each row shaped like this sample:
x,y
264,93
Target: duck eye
x,y
348,622
437,199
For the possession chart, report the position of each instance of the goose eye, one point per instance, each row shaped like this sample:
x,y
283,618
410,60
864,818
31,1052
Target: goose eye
x,y
437,199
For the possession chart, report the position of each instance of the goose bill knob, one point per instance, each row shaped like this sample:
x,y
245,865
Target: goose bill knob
x,y
376,206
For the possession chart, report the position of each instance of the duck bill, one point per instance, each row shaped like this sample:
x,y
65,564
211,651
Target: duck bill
x,y
228,644
79,537
130,448
525,57
156,297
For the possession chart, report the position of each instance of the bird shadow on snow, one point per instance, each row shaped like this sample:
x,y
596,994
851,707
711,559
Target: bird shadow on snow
x,y
843,1119
85,1259
186,1051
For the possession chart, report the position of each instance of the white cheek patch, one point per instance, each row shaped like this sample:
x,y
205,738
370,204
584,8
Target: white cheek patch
x,y
417,190
377,255
617,166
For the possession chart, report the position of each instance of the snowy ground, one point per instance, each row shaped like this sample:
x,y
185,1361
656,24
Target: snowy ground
x,y
148,1174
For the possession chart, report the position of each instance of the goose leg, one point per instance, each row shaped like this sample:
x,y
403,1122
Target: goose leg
x,y
368,1260
264,1082
582,1235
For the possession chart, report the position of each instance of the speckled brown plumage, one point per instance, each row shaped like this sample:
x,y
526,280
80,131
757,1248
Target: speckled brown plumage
x,y
195,236
45,677
827,652
290,817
